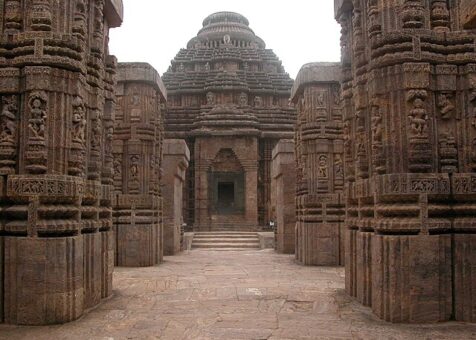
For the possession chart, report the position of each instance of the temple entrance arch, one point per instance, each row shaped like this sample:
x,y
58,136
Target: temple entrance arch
x,y
227,184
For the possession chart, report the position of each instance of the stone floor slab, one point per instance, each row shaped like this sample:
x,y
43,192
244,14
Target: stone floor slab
x,y
233,295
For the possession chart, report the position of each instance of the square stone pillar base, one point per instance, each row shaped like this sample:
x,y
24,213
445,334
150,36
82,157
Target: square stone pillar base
x,y
43,280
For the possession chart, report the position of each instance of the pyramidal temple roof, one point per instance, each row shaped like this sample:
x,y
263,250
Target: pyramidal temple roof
x,y
221,24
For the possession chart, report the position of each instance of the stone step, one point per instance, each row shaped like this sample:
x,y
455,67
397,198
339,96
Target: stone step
x,y
213,245
225,236
225,249
226,240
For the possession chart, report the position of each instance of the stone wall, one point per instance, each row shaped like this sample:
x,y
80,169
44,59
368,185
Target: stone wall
x,y
320,168
57,106
410,147
468,13
137,150
176,156
283,195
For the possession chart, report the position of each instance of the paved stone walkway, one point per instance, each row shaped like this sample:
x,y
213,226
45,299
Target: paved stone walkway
x,y
233,295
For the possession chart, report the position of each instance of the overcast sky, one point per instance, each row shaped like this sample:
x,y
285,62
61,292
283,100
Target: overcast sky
x,y
298,31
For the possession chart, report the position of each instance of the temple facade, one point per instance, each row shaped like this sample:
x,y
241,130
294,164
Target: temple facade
x,y
228,99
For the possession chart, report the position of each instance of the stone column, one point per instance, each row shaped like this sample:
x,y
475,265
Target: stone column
x,y
410,146
284,194
320,173
175,163
137,150
56,102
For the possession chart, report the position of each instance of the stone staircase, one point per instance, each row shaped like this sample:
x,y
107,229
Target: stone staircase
x,y
226,240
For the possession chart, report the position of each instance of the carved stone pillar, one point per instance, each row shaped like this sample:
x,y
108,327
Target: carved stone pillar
x,y
320,155
409,230
176,157
136,147
51,240
283,195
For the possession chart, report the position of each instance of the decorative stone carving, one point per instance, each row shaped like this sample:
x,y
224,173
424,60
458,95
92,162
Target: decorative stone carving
x,y
320,164
407,179
137,161
59,242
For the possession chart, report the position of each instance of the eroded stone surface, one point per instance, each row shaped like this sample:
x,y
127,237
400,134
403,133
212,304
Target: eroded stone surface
x,y
234,295
57,107
176,157
410,157
320,165
283,195
137,150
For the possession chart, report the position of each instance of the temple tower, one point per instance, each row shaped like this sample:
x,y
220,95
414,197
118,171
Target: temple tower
x,y
228,99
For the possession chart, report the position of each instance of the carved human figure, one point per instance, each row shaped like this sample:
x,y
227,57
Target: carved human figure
x,y
376,124
79,121
96,132
445,105
8,125
243,99
258,101
418,118
210,99
227,39
36,123
338,167
207,66
323,167
347,139
320,99
117,165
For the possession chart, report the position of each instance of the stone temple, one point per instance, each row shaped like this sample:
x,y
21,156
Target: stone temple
x,y
228,98
364,169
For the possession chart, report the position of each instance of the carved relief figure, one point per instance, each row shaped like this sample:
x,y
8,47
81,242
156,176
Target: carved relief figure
x,y
8,124
376,124
227,39
211,99
445,105
338,167
96,132
79,121
117,165
37,104
418,115
243,99
321,99
323,167
258,101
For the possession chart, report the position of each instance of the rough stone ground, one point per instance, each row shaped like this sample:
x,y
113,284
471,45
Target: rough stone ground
x,y
233,295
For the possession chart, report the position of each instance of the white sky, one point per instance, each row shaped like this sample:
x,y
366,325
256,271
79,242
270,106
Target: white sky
x,y
298,31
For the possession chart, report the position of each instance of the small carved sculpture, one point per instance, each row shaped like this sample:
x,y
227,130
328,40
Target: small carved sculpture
x,y
323,167
8,124
243,99
37,104
418,118
211,100
258,101
79,121
445,105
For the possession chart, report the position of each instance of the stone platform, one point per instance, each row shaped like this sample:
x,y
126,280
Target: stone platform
x,y
234,295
